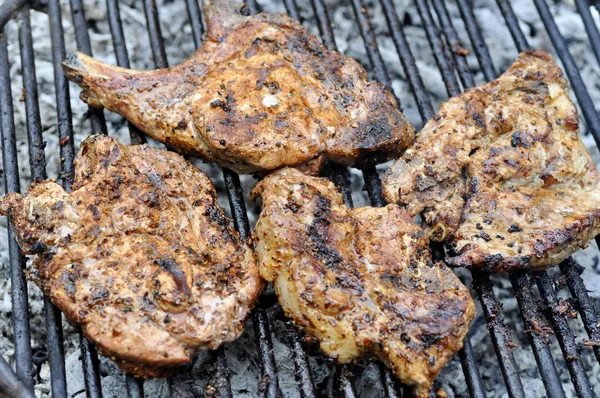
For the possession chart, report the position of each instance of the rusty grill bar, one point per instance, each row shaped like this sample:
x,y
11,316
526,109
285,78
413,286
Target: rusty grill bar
x,y
455,73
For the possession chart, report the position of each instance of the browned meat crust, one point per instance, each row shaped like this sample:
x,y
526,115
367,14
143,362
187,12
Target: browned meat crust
x,y
261,93
359,280
139,255
501,172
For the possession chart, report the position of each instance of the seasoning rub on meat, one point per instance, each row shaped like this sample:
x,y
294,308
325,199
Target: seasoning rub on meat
x,y
260,94
501,172
361,280
139,255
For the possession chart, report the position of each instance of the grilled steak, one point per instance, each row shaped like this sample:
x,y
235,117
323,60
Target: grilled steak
x,y
260,94
139,255
501,172
362,280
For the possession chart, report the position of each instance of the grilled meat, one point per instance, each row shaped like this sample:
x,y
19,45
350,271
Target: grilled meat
x,y
501,172
362,280
260,94
139,255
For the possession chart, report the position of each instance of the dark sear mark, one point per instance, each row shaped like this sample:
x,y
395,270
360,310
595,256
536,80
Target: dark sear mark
x,y
317,232
173,268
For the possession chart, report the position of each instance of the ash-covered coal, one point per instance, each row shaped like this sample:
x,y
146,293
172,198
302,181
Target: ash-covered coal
x,y
242,356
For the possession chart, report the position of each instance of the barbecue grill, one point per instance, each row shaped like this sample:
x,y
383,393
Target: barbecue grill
x,y
541,308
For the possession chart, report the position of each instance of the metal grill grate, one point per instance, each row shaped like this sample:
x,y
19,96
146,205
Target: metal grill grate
x,y
455,73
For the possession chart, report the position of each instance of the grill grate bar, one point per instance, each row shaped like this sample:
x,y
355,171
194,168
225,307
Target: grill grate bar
x,y
116,31
157,43
583,303
481,49
37,158
537,330
10,384
252,6
408,61
91,368
269,381
370,41
324,24
563,334
583,97
134,387
195,17
583,6
303,373
513,25
471,370
63,105
341,178
441,53
345,381
20,304
500,334
219,381
83,44
389,382
292,9
456,46
7,9
373,186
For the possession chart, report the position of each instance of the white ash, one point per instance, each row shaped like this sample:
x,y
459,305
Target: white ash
x,y
242,355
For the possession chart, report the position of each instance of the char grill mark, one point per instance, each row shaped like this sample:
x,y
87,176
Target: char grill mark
x,y
317,232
